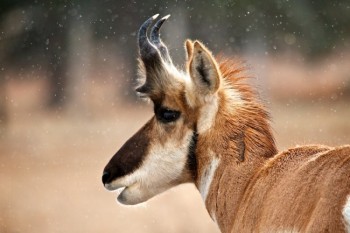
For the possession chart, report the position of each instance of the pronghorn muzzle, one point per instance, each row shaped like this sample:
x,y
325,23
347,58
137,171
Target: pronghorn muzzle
x,y
128,158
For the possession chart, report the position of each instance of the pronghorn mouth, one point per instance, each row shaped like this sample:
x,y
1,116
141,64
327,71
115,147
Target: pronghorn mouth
x,y
118,190
114,185
113,188
123,195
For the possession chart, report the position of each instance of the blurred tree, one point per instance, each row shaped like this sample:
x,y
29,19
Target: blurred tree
x,y
44,38
56,29
5,6
3,108
311,27
39,41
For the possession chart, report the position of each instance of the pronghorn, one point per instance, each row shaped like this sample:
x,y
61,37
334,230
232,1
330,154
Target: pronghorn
x,y
209,128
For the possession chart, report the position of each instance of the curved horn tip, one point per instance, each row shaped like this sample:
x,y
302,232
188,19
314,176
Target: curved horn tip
x,y
165,17
157,26
155,16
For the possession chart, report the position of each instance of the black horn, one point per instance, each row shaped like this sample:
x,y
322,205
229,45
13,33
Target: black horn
x,y
148,51
155,39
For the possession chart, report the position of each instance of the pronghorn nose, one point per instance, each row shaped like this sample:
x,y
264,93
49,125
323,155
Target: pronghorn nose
x,y
105,177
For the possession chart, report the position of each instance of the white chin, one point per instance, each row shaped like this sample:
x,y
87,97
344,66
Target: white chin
x,y
130,196
125,197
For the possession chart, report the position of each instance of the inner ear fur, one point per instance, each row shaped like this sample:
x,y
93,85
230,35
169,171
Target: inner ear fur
x,y
202,68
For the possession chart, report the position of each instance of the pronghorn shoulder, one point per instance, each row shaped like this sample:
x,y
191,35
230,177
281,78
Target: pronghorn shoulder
x,y
297,153
295,157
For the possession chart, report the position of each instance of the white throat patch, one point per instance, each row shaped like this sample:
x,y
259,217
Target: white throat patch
x,y
207,177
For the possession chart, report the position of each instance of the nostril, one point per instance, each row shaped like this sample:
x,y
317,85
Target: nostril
x,y
105,177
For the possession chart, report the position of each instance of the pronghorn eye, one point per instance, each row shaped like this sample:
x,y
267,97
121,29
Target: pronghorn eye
x,y
166,115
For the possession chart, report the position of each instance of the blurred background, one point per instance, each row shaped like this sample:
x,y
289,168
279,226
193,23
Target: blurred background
x,y
67,73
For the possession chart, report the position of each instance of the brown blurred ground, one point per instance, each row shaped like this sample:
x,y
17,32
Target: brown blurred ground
x,y
51,162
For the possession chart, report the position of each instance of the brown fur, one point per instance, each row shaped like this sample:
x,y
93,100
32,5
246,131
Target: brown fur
x,y
254,188
287,193
267,192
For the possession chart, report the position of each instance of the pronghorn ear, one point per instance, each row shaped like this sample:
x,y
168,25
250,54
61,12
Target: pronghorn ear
x,y
189,49
203,68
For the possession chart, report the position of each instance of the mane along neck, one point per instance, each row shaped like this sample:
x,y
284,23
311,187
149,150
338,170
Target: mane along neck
x,y
237,144
241,130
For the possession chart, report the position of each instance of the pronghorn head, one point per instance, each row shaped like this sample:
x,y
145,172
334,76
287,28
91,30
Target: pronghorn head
x,y
163,153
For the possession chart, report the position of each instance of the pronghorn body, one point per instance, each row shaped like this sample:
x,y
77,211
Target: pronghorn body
x,y
303,189
210,129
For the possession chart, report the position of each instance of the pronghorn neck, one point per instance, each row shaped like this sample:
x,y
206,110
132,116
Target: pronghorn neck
x,y
222,178
228,151
238,143
224,188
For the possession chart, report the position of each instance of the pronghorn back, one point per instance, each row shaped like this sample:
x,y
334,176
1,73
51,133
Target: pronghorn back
x,y
209,128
